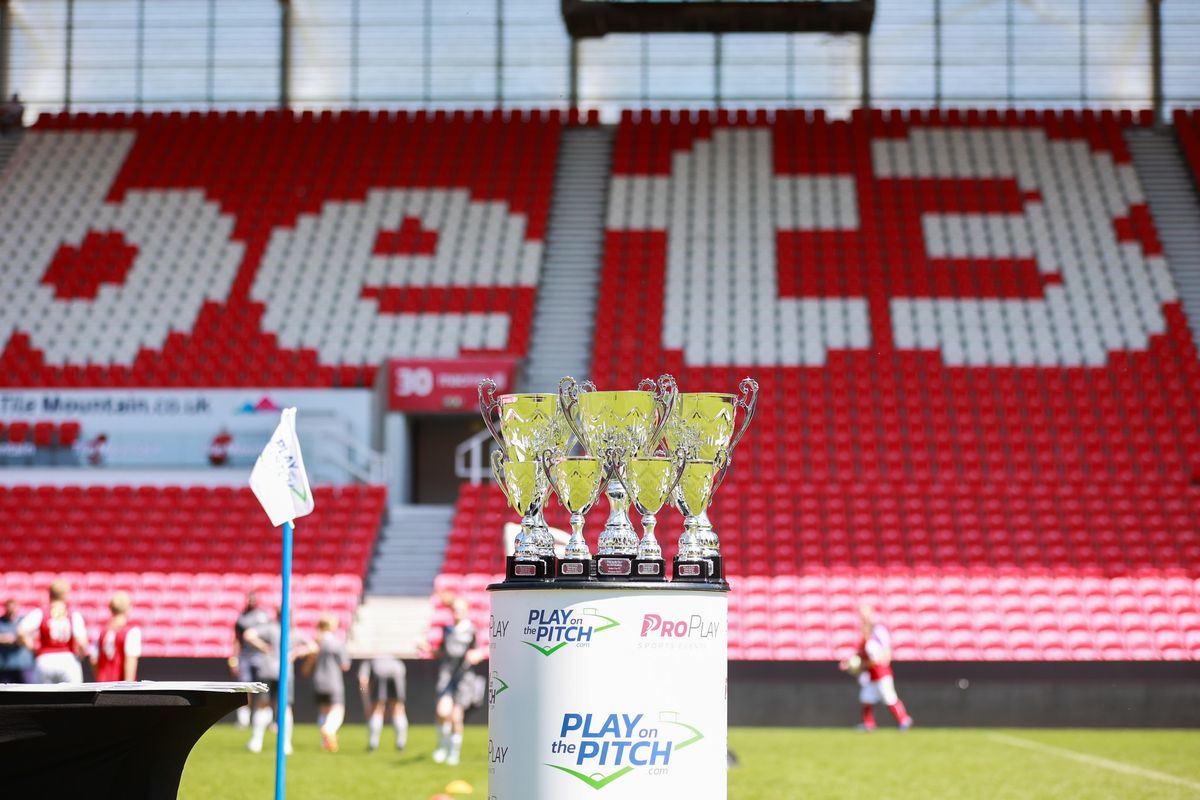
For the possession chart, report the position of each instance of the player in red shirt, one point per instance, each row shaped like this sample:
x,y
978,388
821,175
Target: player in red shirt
x,y
873,666
60,640
119,646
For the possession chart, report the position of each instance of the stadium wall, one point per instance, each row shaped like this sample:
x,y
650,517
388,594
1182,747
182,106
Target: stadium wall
x,y
807,693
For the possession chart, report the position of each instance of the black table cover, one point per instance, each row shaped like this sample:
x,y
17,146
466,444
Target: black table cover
x,y
116,740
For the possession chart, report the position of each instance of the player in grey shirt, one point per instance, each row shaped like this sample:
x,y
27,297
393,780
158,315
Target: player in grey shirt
x,y
458,688
246,663
327,663
382,682
267,639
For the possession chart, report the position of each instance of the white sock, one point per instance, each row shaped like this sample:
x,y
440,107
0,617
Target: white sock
x,y
455,745
243,717
400,723
333,720
374,729
286,733
260,720
444,736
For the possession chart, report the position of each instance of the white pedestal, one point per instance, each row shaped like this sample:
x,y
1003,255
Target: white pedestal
x,y
608,691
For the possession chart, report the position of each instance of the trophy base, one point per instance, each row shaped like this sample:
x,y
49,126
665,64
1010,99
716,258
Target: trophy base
x,y
614,568
575,569
525,570
716,568
649,569
701,570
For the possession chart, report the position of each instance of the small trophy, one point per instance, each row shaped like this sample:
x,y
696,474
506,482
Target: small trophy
x,y
527,424
697,484
705,423
525,486
576,480
630,422
650,481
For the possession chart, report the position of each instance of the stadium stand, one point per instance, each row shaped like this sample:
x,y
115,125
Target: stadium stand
x,y
979,384
183,554
1187,129
272,249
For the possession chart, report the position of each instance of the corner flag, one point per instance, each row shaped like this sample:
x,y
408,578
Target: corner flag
x,y
281,486
278,480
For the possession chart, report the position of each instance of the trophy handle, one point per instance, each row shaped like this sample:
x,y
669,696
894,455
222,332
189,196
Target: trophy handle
x,y
568,402
498,460
547,462
614,465
665,395
747,402
680,461
488,403
615,461
721,462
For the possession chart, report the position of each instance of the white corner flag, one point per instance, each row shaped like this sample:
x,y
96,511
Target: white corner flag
x,y
279,480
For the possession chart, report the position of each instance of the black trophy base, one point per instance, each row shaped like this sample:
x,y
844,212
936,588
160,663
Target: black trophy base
x,y
515,570
575,569
716,572
649,569
699,570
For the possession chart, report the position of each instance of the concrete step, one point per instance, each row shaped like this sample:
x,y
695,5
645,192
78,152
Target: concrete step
x,y
566,299
388,625
1171,193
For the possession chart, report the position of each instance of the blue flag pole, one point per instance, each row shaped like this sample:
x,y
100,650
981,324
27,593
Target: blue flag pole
x,y
285,630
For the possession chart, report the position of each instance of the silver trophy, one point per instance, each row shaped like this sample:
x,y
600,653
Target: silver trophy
x,y
704,425
650,482
525,425
629,422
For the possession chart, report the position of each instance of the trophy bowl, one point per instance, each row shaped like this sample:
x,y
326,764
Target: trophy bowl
x,y
524,424
577,481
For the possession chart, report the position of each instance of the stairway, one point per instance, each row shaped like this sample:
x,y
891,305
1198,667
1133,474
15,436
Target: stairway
x,y
1175,206
564,315
396,611
8,146
409,551
390,626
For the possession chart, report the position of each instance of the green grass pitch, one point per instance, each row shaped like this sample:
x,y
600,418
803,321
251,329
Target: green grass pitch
x,y
776,764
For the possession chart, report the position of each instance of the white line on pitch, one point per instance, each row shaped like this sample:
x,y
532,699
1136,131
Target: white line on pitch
x,y
1095,761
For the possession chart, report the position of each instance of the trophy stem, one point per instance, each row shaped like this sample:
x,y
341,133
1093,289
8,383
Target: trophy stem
x,y
577,548
649,548
618,537
689,541
524,548
706,536
539,532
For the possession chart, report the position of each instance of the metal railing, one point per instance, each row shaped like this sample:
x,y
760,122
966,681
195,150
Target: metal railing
x,y
471,458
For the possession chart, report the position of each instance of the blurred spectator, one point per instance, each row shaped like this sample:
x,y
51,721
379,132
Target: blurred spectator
x,y
96,450
15,659
218,449
12,115
61,637
119,646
